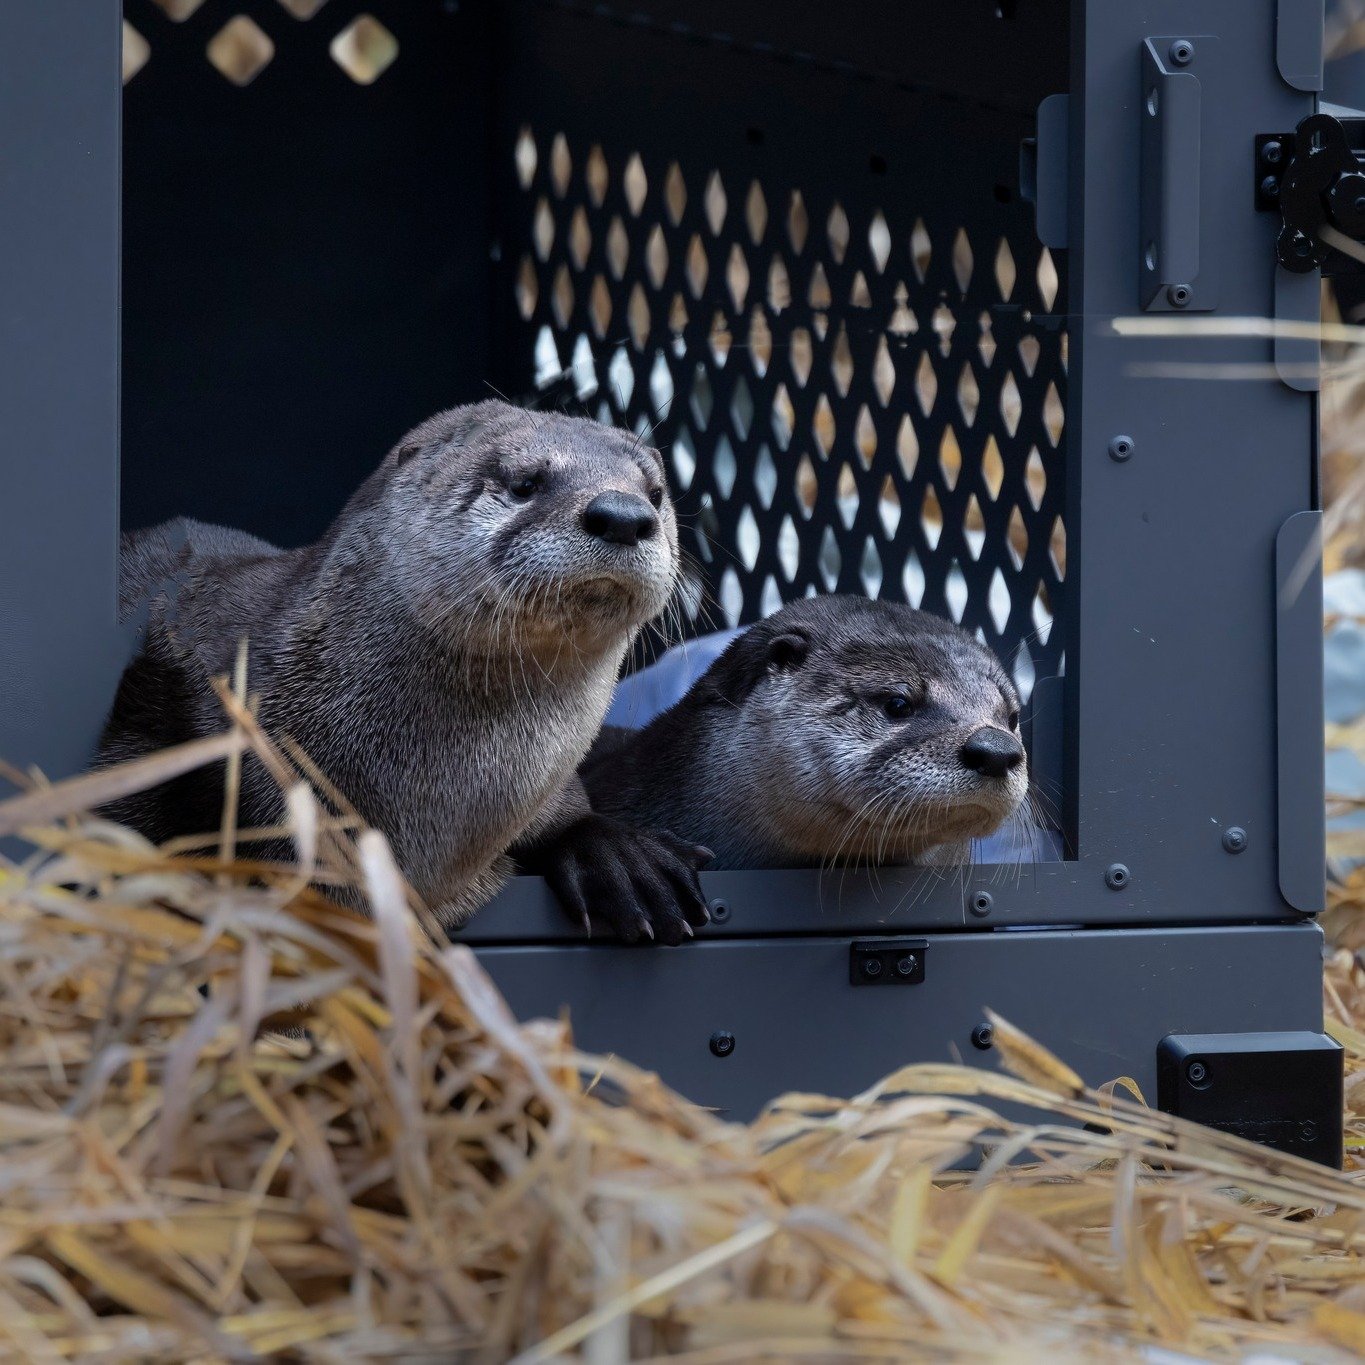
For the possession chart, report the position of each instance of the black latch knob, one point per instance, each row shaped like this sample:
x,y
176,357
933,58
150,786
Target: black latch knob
x,y
1346,200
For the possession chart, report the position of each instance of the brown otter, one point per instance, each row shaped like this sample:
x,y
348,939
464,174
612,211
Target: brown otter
x,y
839,728
444,653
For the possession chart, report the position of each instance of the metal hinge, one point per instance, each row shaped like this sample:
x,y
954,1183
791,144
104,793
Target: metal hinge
x,y
1314,178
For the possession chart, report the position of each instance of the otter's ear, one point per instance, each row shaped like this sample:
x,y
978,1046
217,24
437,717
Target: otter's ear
x,y
787,650
748,661
406,451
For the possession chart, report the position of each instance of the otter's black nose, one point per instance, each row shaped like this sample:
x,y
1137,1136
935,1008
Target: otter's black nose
x,y
620,518
991,751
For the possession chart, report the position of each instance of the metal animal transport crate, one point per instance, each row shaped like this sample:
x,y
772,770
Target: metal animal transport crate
x,y
882,279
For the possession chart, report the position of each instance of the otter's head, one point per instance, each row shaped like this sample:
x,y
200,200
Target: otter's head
x,y
530,531
877,731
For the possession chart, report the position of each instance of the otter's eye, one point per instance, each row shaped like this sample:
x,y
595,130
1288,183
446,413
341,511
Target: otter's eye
x,y
524,486
656,497
1014,720
897,706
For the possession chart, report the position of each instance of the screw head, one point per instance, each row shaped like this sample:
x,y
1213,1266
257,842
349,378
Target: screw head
x,y
1270,187
1271,153
983,1037
981,903
1121,448
905,966
872,967
719,910
1116,876
1182,52
1196,1073
1234,839
1302,247
1308,1130
1179,295
722,1043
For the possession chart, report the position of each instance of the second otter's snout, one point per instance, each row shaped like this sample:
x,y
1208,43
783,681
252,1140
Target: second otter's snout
x,y
992,752
620,518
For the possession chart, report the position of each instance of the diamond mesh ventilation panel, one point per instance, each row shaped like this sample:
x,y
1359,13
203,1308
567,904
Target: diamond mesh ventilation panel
x,y
852,394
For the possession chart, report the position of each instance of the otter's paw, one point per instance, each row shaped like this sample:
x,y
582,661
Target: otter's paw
x,y
640,884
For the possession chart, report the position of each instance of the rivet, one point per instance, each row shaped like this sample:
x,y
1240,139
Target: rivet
x,y
1116,876
1271,153
1270,187
905,966
1178,295
1235,839
720,911
1196,1073
872,967
722,1043
983,1037
1182,52
1121,448
981,904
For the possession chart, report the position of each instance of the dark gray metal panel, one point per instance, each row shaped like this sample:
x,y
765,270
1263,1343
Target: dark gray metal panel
x,y
1299,42
1102,999
1299,712
1298,298
1171,716
60,649
1051,188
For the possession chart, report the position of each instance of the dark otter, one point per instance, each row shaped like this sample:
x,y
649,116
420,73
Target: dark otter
x,y
445,654
837,728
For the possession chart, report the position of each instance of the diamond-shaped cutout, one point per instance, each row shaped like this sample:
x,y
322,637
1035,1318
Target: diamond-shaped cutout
x,y
771,600
1057,547
364,49
870,570
702,402
931,517
846,496
561,165
831,561
968,394
1017,535
962,260
526,157
903,322
985,348
675,194
760,342
1035,478
595,176
656,257
731,597
1029,350
974,523
1047,280
618,249
1023,672
528,288
635,184
788,548
779,285
621,375
1011,405
822,426
926,384
879,241
714,203
920,249
998,601
756,213
240,51
806,486
865,437
580,238
889,507
1042,613
696,266
883,372
179,10
836,229
955,592
300,9
637,315
684,458
660,384
859,295
719,338
949,458
765,477
136,51
1054,415
945,324
841,362
798,225
677,321
747,539
584,368
724,468
737,277
992,468
801,356
543,230
912,579
599,306
907,447
741,409
1005,272
782,417
562,297
706,527
819,295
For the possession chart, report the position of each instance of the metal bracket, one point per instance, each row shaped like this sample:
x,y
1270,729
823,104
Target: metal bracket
x,y
1177,264
1298,42
1043,179
887,961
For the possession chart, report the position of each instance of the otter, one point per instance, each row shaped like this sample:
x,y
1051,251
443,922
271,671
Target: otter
x,y
838,728
444,653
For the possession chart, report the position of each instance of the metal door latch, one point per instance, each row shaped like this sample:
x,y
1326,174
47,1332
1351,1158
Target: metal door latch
x,y
1314,178
887,961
